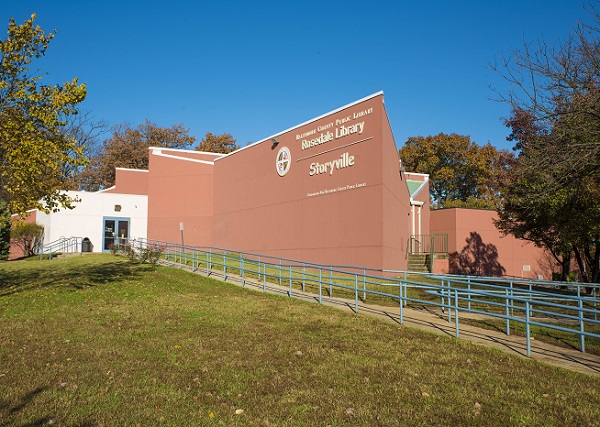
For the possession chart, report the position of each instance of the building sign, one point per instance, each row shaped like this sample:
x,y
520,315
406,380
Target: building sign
x,y
345,160
338,189
335,129
283,161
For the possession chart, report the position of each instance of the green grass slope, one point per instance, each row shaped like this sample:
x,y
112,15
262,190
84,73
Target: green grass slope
x,y
102,341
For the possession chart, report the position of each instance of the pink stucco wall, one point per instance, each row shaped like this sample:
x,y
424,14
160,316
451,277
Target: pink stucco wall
x,y
477,247
348,214
396,202
180,190
130,181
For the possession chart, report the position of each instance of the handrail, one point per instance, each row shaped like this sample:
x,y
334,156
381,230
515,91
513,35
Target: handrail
x,y
427,243
62,244
342,267
514,301
350,269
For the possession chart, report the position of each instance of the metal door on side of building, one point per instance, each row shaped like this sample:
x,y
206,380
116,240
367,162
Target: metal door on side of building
x,y
116,230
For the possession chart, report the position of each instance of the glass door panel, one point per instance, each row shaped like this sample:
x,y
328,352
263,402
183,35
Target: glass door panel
x,y
109,233
123,231
116,232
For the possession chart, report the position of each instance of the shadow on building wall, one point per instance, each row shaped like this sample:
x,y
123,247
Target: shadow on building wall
x,y
476,258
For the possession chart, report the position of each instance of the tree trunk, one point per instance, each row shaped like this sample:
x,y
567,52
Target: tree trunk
x,y
582,266
595,265
565,264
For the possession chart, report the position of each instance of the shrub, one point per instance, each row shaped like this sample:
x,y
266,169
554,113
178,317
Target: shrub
x,y
129,252
114,249
123,250
151,254
27,235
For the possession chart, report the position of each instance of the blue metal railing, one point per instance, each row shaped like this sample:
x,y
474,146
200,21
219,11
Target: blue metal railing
x,y
528,302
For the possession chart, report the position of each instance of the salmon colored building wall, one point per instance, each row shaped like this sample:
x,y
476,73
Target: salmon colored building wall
x,y
348,214
180,190
396,202
477,247
129,181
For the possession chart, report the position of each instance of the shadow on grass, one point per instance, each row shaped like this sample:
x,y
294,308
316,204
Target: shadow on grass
x,y
543,334
46,274
13,411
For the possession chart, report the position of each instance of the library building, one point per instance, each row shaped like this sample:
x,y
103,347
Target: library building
x,y
330,190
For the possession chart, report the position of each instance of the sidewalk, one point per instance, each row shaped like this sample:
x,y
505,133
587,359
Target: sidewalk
x,y
434,322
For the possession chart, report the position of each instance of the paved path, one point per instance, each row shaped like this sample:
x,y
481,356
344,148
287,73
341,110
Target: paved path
x,y
431,321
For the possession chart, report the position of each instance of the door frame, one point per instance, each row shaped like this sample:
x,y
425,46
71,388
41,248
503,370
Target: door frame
x,y
116,219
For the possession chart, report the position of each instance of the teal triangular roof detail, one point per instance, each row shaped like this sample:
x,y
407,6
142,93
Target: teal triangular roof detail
x,y
413,186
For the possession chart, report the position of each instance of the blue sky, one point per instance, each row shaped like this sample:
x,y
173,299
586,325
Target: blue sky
x,y
254,68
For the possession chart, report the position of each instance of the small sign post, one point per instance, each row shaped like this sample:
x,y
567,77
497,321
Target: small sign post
x,y
181,229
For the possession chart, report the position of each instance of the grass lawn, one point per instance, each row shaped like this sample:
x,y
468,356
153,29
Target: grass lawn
x,y
100,340
419,290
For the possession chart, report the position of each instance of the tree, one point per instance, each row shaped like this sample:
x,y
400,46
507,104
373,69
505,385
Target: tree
x,y
539,206
460,171
535,219
33,148
128,148
4,231
224,143
551,191
27,235
86,133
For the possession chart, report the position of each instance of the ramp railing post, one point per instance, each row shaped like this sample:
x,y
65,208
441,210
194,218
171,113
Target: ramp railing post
x,y
330,281
320,285
527,328
469,293
242,268
442,298
290,281
401,291
209,262
581,326
355,293
303,277
507,310
225,265
456,311
449,303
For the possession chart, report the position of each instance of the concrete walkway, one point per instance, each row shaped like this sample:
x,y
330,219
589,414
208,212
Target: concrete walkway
x,y
433,321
